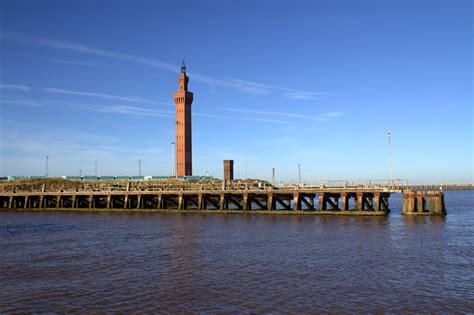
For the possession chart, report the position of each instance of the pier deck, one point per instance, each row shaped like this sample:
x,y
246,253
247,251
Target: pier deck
x,y
238,197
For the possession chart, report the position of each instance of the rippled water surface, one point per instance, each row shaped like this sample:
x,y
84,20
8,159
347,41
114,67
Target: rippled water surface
x,y
66,262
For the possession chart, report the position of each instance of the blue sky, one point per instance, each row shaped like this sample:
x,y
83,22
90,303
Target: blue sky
x,y
276,84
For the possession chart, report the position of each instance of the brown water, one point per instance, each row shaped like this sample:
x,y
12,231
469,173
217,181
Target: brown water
x,y
75,262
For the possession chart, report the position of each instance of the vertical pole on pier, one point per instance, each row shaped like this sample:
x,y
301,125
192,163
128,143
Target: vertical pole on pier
x,y
109,201
390,158
46,172
299,173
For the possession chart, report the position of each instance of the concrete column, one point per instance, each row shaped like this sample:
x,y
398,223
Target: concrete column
x,y
221,201
74,200
344,202
180,201
270,203
199,205
159,201
408,202
109,201
420,202
41,202
125,201
360,202
311,202
377,201
296,201
436,204
322,201
58,201
139,201
245,202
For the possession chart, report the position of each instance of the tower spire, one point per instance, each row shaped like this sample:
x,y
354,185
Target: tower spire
x,y
183,67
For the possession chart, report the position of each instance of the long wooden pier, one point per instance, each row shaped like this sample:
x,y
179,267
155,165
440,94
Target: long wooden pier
x,y
309,201
251,196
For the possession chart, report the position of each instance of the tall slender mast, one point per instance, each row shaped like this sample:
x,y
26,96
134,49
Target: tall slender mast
x,y
390,158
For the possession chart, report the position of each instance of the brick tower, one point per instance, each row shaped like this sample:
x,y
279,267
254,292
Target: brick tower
x,y
183,100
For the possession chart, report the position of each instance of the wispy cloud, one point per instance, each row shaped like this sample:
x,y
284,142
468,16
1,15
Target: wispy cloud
x,y
132,110
107,96
74,62
58,44
15,87
275,121
321,117
21,102
237,84
302,95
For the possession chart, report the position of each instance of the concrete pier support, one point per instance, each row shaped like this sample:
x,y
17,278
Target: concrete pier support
x,y
246,205
321,202
436,203
296,202
199,203
344,201
159,201
125,201
221,201
415,203
359,202
270,202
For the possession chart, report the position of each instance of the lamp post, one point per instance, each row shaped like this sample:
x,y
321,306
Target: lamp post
x,y
95,167
299,173
140,168
390,158
173,166
46,173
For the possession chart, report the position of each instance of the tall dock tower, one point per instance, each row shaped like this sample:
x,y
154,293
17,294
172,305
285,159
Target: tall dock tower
x,y
183,100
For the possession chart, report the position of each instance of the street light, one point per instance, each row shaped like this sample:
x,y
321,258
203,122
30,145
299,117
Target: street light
x,y
390,158
95,167
299,173
46,174
140,168
173,167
